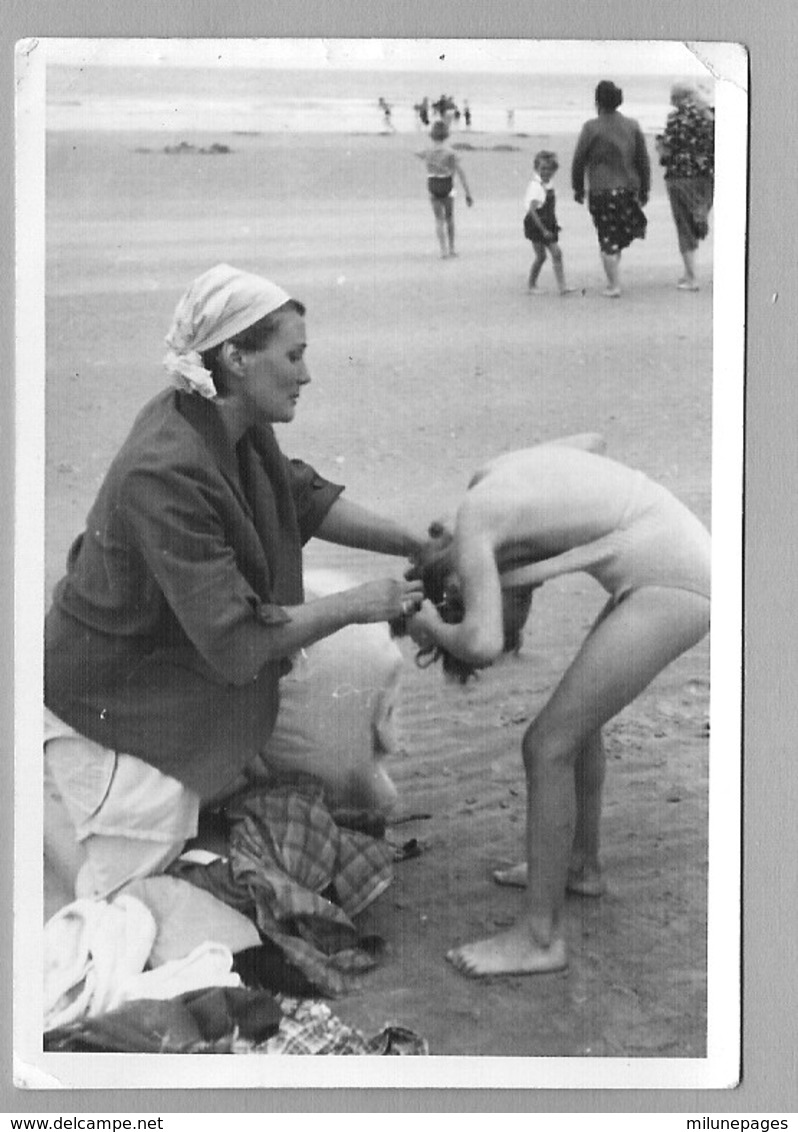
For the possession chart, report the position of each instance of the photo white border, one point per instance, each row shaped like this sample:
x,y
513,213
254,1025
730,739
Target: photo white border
x,y
720,1068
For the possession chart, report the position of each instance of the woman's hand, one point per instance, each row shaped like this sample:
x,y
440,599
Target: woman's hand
x,y
425,625
385,600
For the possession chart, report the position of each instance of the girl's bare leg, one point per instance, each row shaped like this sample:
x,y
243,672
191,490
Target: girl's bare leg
x,y
584,870
620,657
440,225
559,269
537,264
450,225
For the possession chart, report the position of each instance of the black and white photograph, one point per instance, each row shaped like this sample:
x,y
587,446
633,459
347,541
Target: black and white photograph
x,y
385,445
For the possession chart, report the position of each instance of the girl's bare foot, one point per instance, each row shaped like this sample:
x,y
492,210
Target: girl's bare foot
x,y
514,877
586,881
513,952
583,881
687,285
568,291
612,293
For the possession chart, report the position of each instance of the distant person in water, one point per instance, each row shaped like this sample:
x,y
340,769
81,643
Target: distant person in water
x,y
387,120
444,108
442,164
540,222
611,152
526,517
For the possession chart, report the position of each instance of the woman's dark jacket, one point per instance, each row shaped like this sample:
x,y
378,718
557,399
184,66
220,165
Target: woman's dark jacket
x,y
157,641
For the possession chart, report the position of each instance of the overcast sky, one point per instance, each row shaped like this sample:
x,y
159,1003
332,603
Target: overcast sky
x,y
630,57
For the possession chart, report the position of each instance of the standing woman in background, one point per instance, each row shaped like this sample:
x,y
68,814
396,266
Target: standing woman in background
x,y
612,152
687,151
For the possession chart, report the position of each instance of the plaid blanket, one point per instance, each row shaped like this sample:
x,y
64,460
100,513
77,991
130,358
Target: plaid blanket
x,y
301,878
307,877
309,1027
285,838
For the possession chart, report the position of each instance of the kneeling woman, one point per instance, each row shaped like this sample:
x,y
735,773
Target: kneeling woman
x,y
529,516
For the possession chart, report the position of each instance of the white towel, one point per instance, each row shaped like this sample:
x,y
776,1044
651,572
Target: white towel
x,y
95,952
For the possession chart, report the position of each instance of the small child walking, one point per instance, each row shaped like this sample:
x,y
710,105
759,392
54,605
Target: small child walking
x,y
540,222
442,165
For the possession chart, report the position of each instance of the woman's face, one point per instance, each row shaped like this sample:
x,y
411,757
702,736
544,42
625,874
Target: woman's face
x,y
273,376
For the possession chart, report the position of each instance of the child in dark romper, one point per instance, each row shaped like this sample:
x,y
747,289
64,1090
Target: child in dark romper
x,y
540,222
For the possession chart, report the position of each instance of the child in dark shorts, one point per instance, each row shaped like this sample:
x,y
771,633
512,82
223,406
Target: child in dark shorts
x,y
540,222
442,165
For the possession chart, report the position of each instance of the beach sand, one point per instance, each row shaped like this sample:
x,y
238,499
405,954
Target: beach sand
x,y
423,368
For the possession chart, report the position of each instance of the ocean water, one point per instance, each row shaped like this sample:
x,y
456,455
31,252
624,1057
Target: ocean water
x,y
268,100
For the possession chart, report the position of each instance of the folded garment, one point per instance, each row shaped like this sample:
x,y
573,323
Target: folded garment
x,y
206,1021
91,948
229,1021
95,952
186,917
266,967
208,965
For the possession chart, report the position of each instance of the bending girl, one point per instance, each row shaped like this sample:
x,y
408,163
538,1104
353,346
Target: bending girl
x,y
529,516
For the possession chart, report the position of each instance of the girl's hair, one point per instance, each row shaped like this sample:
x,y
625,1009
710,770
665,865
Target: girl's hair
x,y
608,95
433,568
546,155
435,576
254,337
439,131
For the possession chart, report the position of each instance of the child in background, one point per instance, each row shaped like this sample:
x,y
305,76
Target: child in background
x,y
442,164
540,222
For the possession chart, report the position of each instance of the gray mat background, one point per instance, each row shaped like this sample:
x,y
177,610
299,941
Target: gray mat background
x,y
770,32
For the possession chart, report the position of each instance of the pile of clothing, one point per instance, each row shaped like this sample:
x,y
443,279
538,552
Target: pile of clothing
x,y
224,954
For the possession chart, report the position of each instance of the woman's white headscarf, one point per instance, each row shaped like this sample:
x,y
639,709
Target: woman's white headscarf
x,y
218,305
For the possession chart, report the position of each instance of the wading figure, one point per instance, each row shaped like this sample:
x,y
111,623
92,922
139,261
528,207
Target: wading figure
x,y
529,516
